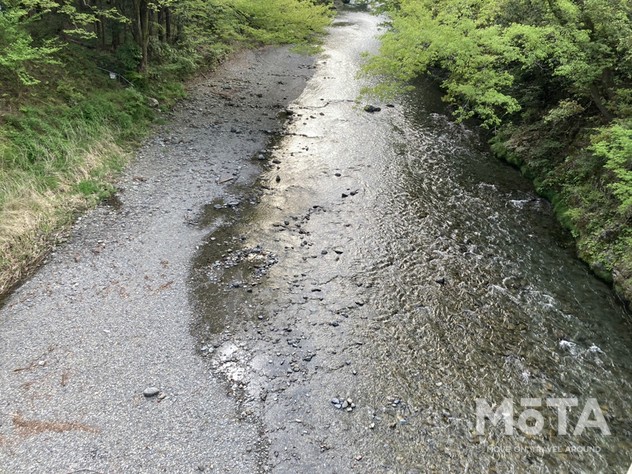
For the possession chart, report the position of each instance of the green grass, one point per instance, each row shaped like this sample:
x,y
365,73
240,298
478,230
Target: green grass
x,y
56,161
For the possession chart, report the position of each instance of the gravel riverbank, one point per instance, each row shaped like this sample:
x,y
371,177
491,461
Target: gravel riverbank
x,y
108,315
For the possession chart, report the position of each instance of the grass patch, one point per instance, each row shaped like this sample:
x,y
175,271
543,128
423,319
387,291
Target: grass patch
x,y
58,160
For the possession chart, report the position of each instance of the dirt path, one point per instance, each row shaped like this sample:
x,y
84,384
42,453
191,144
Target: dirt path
x,y
109,316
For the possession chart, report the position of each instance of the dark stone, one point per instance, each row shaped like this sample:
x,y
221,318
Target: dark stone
x,y
371,108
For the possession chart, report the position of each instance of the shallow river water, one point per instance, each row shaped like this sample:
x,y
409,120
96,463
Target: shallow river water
x,y
391,259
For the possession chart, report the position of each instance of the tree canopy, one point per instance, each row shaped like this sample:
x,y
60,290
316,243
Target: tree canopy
x,y
488,48
137,32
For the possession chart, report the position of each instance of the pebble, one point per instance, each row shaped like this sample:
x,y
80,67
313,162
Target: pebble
x,y
337,403
151,392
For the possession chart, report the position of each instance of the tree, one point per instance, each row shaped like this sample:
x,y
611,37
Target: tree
x,y
485,46
18,54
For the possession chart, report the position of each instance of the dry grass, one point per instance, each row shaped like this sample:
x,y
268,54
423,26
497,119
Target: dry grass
x,y
32,220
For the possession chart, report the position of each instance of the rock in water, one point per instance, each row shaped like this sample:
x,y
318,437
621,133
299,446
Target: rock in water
x,y
371,108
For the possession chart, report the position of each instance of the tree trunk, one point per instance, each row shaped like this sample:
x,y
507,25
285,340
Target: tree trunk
x,y
161,21
115,31
598,101
101,32
168,32
141,31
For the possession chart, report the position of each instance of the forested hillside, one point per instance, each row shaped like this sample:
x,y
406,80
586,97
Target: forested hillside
x,y
552,80
80,81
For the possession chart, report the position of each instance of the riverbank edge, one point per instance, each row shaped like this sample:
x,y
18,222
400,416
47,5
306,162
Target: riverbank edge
x,y
616,275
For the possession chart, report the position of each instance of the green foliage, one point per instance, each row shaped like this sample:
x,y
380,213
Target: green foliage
x,y
18,54
486,46
129,56
95,188
44,140
212,26
282,21
614,144
565,110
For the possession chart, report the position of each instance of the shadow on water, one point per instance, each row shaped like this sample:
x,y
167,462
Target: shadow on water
x,y
224,265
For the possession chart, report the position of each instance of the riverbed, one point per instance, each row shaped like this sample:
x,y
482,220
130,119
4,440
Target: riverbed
x,y
390,273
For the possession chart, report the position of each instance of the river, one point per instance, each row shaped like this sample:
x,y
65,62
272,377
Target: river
x,y
388,273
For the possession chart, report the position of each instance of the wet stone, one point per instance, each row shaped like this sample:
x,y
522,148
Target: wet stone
x,y
151,392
